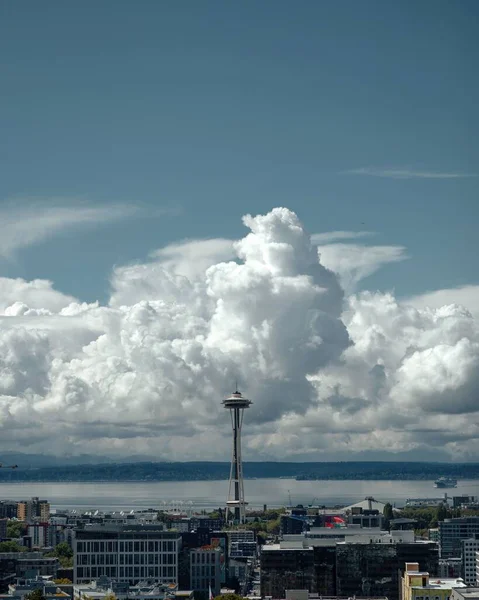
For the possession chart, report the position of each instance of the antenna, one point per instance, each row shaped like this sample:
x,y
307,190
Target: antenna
x,y
236,385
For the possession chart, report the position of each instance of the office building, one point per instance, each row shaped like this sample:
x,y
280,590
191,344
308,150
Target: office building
x,y
23,563
450,568
243,549
325,570
8,509
433,535
373,569
241,535
126,553
205,522
240,569
293,525
3,528
452,532
205,570
417,585
286,568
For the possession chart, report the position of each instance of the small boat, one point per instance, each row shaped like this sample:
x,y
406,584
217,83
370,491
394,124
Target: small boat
x,y
445,482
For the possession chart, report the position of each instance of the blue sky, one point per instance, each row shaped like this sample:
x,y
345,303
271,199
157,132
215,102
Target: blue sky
x,y
356,115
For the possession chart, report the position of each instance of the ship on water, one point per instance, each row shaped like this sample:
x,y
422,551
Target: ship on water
x,y
445,482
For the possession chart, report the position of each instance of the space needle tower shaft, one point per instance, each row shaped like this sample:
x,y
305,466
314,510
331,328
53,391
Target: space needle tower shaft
x,y
236,505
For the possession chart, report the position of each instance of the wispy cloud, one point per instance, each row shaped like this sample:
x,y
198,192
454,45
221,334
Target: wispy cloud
x,y
333,236
354,262
396,173
25,223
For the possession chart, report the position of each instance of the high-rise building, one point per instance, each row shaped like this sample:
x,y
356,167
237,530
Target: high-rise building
x,y
452,532
374,569
205,570
236,504
127,553
469,549
325,570
8,509
33,510
290,568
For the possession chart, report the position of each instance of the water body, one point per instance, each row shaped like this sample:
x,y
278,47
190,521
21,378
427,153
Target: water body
x,y
211,494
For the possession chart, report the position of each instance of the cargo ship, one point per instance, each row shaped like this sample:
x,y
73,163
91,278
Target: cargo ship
x,y
445,482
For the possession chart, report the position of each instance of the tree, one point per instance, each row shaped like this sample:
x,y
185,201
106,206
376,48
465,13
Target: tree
x,y
441,513
63,550
388,511
64,554
273,526
35,595
11,547
229,597
15,529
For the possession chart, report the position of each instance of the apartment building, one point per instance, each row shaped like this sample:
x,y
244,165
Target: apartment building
x,y
33,510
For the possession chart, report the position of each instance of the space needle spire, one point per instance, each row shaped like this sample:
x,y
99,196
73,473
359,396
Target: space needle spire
x,y
236,504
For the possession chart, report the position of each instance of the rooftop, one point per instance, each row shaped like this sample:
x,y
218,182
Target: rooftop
x,y
368,503
277,547
470,593
441,584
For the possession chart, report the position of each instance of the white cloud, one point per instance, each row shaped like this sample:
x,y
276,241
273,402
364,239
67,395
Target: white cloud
x,y
354,262
191,258
25,223
328,376
399,173
37,294
466,295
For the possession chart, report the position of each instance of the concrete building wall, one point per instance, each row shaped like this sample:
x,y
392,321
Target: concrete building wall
x,y
205,570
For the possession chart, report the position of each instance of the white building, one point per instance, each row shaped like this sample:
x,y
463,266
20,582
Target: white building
x,y
469,549
126,553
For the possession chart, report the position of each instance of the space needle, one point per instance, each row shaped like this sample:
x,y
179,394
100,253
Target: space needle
x,y
236,504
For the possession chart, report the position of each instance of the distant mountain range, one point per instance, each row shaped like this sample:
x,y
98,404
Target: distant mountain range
x,y
86,468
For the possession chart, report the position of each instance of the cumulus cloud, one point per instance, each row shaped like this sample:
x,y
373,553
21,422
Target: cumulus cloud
x,y
329,374
466,295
